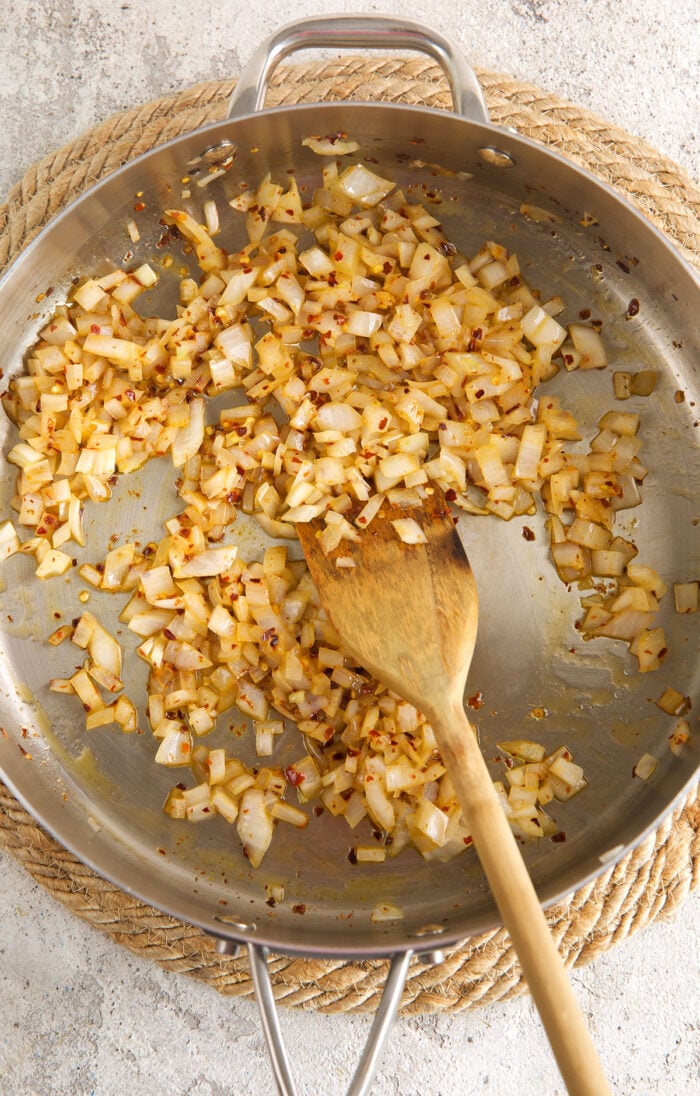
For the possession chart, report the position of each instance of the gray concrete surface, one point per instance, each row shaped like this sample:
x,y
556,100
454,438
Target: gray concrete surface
x,y
80,1016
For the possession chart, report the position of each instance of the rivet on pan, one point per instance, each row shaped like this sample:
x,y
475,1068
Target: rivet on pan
x,y
428,930
496,157
222,154
242,926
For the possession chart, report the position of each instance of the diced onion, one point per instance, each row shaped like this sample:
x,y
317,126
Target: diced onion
x,y
255,825
589,344
385,911
672,702
541,329
409,531
9,540
338,145
175,749
212,561
362,185
189,438
685,596
679,737
645,767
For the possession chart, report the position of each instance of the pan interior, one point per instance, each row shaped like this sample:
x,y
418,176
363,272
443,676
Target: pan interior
x,y
101,793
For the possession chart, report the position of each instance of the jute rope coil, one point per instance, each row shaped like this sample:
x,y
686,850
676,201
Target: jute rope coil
x,y
650,882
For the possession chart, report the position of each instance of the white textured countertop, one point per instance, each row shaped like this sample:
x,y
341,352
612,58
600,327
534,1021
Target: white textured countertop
x,y
80,1015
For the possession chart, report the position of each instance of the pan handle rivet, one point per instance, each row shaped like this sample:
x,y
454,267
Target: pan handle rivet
x,y
496,157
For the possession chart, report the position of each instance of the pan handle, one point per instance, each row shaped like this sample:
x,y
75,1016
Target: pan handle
x,y
379,1032
360,32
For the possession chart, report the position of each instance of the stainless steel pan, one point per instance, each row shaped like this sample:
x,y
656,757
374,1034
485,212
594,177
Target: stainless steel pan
x,y
101,795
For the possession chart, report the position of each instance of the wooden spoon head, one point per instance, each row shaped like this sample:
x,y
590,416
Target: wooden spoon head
x,y
406,612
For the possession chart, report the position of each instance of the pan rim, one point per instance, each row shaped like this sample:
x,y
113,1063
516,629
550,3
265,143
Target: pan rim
x,y
425,942
26,254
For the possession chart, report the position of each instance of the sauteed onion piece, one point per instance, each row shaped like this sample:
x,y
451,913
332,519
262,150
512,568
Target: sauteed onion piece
x,y
365,366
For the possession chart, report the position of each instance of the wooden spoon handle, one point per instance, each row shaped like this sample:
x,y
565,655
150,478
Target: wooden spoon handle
x,y
519,905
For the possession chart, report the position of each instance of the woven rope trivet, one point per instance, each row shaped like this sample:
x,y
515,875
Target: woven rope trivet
x,y
649,883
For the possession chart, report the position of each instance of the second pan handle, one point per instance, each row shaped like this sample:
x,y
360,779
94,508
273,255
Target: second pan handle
x,y
360,32
379,1032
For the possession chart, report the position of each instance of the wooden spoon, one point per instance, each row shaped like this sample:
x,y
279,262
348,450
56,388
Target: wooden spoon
x,y
408,614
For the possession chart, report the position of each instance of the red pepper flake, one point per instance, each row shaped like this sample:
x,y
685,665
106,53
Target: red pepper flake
x,y
528,533
139,207
558,838
475,702
299,908
633,307
293,776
